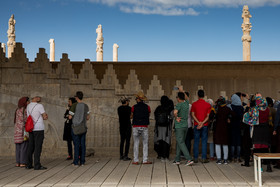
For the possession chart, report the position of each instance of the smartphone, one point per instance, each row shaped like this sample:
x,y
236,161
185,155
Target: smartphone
x,y
175,88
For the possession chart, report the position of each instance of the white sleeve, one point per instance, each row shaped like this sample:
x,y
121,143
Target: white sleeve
x,y
41,109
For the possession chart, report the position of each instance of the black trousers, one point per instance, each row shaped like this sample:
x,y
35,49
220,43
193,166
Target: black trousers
x,y
36,139
70,149
125,138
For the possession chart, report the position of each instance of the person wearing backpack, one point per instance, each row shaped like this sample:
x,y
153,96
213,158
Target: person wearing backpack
x,y
79,129
163,129
36,137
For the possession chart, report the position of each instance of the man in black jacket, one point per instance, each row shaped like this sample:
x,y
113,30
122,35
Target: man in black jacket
x,y
140,114
124,112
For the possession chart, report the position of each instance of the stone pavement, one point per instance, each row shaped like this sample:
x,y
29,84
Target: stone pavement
x,y
113,172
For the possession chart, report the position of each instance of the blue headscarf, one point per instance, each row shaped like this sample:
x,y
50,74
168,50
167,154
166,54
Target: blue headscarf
x,y
235,100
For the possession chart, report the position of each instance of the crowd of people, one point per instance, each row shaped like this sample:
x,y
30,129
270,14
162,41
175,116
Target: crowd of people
x,y
234,129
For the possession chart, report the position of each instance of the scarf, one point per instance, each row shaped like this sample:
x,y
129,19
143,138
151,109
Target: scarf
x,y
252,116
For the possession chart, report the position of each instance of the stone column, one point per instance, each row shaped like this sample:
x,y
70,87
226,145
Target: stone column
x,y
99,43
115,52
3,46
52,50
11,36
246,38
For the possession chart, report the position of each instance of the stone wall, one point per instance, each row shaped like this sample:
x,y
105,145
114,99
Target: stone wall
x,y
104,82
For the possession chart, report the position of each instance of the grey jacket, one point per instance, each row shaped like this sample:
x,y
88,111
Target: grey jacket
x,y
81,113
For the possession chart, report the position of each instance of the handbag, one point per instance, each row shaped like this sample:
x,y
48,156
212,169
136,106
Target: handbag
x,y
29,125
25,135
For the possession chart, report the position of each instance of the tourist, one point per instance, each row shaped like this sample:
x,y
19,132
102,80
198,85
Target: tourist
x,y
181,128
36,137
67,136
140,114
276,133
124,113
212,122
79,119
272,113
20,135
189,136
235,127
200,113
163,128
258,118
246,137
221,131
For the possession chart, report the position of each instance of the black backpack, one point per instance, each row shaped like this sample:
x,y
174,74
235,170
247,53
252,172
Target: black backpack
x,y
162,117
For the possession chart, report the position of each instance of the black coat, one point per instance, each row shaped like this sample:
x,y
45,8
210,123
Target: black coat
x,y
67,136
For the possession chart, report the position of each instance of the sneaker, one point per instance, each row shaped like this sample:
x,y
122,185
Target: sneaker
x,y
75,165
226,162
212,158
121,157
126,158
219,162
162,159
147,162
135,163
82,165
176,162
69,158
204,161
239,160
189,163
195,160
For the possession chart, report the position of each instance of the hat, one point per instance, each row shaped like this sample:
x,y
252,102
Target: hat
x,y
140,95
124,99
35,94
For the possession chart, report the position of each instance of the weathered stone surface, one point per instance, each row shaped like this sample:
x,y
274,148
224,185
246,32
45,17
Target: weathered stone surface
x,y
246,38
103,85
11,36
115,52
52,50
99,43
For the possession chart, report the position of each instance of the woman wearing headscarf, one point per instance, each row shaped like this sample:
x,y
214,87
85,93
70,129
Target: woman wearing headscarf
x,y
163,129
258,118
246,137
235,127
212,122
221,132
20,136
67,129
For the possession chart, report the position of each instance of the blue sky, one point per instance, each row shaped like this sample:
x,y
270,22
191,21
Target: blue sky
x,y
145,30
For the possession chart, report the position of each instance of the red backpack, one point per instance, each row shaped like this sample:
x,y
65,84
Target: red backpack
x,y
29,125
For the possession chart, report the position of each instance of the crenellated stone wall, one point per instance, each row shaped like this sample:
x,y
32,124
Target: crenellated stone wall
x,y
103,83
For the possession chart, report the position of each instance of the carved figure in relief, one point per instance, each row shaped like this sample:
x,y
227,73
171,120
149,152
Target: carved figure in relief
x,y
99,34
12,23
246,15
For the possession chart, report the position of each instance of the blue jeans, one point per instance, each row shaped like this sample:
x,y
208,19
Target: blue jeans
x,y
203,132
79,141
212,150
219,152
238,150
137,133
